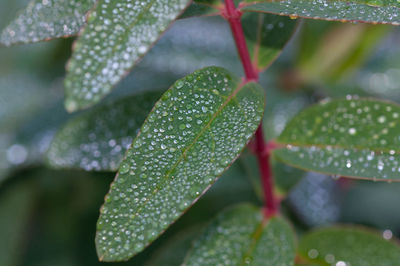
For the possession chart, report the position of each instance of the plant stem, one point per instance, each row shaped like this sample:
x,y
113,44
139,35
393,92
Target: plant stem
x,y
262,150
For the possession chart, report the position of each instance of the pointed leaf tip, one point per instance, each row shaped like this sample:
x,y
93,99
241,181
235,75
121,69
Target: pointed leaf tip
x,y
117,36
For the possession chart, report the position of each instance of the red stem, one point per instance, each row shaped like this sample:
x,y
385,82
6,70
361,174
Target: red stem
x,y
262,150
233,16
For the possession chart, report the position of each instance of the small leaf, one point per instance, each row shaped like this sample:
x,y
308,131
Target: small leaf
x,y
349,245
98,139
193,134
352,138
369,11
117,36
241,236
266,36
44,20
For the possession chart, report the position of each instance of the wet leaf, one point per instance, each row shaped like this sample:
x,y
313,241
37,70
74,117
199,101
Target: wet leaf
x,y
98,139
266,36
350,246
369,11
116,37
356,138
180,151
44,20
240,236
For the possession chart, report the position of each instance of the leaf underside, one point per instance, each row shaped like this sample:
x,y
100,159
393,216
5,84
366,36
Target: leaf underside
x,y
241,236
266,36
350,245
117,36
381,12
193,134
357,138
43,20
98,139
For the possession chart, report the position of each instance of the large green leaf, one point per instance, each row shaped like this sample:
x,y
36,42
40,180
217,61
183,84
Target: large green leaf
x,y
192,135
369,11
43,20
241,236
355,138
116,37
350,246
266,36
98,139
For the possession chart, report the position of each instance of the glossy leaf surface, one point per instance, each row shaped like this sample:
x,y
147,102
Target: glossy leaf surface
x,y
349,246
44,20
383,12
266,36
240,236
116,37
98,139
192,135
353,138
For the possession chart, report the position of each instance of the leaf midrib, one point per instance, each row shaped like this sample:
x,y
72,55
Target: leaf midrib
x,y
180,159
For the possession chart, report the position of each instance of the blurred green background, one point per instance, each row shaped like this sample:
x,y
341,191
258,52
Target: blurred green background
x,y
48,217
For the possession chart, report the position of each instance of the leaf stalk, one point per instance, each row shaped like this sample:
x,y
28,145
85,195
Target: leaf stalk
x,y
262,149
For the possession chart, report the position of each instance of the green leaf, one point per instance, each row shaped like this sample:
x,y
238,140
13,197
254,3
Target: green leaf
x,y
117,36
98,139
350,245
193,134
356,138
44,20
266,36
202,8
240,236
373,11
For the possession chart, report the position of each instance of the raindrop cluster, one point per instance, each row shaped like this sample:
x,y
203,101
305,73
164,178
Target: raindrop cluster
x,y
192,135
352,137
118,34
98,139
239,236
374,11
46,19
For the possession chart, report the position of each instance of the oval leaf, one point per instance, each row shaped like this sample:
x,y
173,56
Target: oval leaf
x,y
266,36
349,245
117,36
44,20
357,138
373,11
242,236
193,134
98,139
